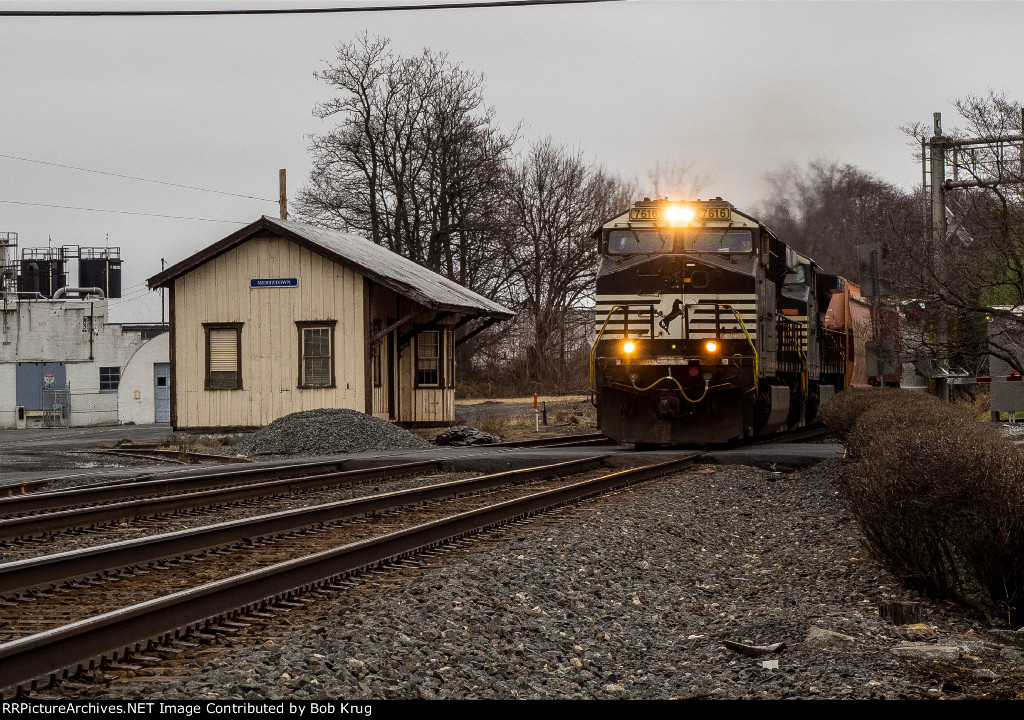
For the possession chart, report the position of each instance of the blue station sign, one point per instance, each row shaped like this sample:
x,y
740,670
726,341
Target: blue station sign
x,y
273,282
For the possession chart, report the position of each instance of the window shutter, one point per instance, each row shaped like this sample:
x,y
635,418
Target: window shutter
x,y
224,350
223,371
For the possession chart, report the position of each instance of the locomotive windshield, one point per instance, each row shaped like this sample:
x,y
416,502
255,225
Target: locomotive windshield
x,y
641,240
634,241
727,240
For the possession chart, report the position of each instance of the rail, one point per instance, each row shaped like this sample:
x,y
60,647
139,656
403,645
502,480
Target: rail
x,y
132,487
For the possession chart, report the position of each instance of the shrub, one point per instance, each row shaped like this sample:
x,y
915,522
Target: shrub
x,y
841,411
937,494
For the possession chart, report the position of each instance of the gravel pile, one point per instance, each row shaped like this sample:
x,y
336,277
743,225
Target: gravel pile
x,y
327,432
629,596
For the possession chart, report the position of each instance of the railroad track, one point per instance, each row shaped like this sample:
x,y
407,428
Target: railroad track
x,y
796,435
183,457
14,491
563,441
51,569
139,633
95,506
25,487
100,509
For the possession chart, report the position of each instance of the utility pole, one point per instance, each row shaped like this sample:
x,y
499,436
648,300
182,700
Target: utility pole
x,y
163,291
284,195
937,150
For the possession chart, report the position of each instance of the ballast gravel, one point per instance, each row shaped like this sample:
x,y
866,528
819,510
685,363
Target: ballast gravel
x,y
327,432
631,595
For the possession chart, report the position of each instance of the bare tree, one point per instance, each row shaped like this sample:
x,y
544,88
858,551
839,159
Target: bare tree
x,y
676,180
555,200
415,161
827,209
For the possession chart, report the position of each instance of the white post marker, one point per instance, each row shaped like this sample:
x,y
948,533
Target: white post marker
x,y
536,414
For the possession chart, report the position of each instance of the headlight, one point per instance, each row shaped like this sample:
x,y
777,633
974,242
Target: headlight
x,y
628,347
679,214
711,346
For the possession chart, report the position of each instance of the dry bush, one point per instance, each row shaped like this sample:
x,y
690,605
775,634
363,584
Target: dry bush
x,y
841,411
890,412
938,496
496,423
566,417
977,402
571,412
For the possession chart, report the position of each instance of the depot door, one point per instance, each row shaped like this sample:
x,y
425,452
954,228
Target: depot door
x,y
162,392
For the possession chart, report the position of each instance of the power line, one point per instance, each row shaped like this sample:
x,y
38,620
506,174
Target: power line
x,y
123,212
296,11
133,288
126,298
133,177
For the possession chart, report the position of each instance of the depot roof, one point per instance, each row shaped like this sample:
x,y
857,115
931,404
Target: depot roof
x,y
378,263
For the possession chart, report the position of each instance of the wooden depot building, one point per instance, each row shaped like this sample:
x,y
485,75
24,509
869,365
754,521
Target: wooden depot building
x,y
283,316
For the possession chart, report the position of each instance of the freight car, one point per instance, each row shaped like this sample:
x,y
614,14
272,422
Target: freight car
x,y
708,327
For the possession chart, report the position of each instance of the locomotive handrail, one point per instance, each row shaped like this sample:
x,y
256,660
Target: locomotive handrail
x,y
593,348
743,327
805,372
600,334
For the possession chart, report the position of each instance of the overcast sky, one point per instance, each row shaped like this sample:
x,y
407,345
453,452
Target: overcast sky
x,y
738,89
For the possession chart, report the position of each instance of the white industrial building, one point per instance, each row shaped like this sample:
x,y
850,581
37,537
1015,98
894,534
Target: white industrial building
x,y
62,363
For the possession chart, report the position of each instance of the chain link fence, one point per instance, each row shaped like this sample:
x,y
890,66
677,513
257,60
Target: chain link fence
x,y
92,408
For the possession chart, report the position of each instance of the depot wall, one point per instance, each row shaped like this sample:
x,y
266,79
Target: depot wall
x,y
219,291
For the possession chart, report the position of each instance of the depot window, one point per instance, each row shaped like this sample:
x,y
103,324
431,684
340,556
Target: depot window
x,y
428,359
316,353
223,356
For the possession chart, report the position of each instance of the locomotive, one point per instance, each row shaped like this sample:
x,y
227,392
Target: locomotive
x,y
709,328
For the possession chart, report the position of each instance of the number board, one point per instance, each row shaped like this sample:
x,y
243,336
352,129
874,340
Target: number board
x,y
714,213
645,213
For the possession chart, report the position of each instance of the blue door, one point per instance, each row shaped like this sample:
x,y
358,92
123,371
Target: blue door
x,y
162,392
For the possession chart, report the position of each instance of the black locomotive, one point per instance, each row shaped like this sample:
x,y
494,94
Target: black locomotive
x,y
708,327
